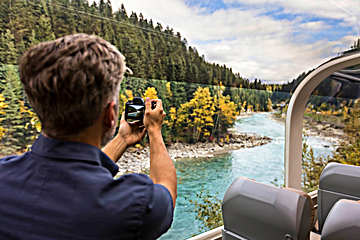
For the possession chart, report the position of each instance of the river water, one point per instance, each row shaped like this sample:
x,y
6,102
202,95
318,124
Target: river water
x,y
263,163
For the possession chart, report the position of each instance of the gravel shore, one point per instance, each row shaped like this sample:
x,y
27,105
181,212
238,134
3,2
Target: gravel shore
x,y
136,160
330,132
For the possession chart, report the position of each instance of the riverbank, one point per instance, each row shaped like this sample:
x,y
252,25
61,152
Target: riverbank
x,y
137,160
329,131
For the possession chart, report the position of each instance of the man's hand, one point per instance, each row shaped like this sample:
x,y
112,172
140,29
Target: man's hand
x,y
130,133
153,118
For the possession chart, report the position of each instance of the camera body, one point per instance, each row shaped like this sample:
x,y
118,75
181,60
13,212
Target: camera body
x,y
135,110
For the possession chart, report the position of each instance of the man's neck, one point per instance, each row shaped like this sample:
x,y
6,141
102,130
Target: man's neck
x,y
89,136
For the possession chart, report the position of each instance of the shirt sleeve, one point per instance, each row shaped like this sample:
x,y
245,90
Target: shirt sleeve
x,y
107,163
159,213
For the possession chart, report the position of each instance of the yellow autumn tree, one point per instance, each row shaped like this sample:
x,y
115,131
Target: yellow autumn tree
x,y
151,93
269,105
196,116
3,105
345,113
168,90
31,119
269,88
123,98
172,118
226,112
243,107
32,124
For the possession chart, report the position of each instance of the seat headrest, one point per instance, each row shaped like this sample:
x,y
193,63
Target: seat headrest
x,y
253,210
343,221
337,181
341,178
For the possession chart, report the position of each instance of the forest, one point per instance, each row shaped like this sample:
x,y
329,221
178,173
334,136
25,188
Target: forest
x,y
163,66
201,99
152,51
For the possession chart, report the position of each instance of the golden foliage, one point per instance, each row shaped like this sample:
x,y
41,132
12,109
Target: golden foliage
x,y
129,94
3,105
2,132
269,105
168,89
28,114
203,114
123,98
151,93
227,109
243,107
172,117
269,88
197,114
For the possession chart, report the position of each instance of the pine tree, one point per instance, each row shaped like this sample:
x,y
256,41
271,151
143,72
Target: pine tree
x,y
8,52
32,39
12,120
62,18
4,15
43,29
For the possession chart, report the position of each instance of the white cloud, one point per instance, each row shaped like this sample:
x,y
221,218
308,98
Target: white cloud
x,y
314,26
253,44
346,10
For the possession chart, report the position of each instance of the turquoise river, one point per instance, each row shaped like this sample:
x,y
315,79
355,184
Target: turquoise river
x,y
214,175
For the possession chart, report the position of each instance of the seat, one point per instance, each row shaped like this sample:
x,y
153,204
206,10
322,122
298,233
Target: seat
x,y
343,221
253,210
337,181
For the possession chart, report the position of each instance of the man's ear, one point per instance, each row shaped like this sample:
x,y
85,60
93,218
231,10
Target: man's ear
x,y
110,115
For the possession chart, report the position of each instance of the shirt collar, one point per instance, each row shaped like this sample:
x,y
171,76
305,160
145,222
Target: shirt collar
x,y
53,148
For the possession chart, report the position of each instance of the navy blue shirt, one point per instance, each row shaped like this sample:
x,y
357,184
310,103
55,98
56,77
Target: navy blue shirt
x,y
66,190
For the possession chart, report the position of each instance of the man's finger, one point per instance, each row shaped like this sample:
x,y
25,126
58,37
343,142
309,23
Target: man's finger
x,y
147,104
142,134
159,103
122,117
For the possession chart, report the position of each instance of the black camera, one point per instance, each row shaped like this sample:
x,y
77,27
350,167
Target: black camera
x,y
135,109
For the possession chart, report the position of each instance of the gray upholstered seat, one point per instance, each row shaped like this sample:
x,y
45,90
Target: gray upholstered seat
x,y
337,181
258,211
343,221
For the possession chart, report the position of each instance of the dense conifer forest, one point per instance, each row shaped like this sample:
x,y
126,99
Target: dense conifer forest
x,y
202,99
152,51
163,66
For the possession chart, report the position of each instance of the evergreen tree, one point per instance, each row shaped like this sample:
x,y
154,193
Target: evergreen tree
x,y
8,52
12,121
43,29
62,18
4,15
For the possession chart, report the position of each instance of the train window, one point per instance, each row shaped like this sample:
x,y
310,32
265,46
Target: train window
x,y
225,71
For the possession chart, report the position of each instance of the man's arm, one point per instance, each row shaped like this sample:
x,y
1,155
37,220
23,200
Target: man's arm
x,y
162,169
128,135
115,148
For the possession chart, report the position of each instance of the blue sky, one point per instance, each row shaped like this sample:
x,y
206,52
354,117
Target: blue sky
x,y
279,13
208,5
274,40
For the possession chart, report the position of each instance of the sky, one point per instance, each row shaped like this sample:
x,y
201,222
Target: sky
x,y
272,40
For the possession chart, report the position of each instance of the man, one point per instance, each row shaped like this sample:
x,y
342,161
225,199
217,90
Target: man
x,y
64,188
